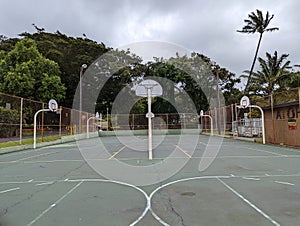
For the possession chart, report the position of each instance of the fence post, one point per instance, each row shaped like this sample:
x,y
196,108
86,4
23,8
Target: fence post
x,y
60,111
43,117
167,121
299,97
21,120
232,117
133,121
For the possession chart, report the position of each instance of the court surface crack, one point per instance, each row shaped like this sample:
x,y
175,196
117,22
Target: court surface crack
x,y
174,211
73,170
29,197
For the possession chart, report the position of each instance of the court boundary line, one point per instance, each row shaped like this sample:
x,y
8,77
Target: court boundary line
x,y
105,180
283,182
124,159
8,190
54,204
270,152
249,203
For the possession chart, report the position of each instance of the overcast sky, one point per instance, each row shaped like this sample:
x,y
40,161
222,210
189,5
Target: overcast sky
x,y
207,27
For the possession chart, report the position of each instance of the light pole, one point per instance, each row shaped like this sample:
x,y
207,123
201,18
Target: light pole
x,y
84,66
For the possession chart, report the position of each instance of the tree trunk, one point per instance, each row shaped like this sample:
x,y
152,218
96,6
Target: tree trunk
x,y
253,63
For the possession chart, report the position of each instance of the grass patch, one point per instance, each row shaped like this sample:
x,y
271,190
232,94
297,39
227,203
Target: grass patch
x,y
28,141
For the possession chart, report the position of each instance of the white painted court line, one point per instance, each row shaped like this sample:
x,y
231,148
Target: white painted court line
x,y
250,203
270,152
149,197
54,204
283,182
45,183
12,189
250,178
174,182
148,206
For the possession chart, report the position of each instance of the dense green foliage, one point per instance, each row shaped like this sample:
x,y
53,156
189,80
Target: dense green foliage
x,y
69,53
26,72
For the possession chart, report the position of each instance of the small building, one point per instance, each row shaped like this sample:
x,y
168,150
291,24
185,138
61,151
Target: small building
x,y
282,124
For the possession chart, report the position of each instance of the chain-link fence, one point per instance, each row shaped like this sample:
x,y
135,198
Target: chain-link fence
x,y
281,111
160,121
17,119
17,116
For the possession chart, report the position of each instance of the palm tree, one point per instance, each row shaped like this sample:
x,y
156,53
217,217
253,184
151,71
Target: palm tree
x,y
295,78
273,75
256,23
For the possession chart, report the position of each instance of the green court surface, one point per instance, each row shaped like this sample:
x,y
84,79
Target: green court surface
x,y
245,184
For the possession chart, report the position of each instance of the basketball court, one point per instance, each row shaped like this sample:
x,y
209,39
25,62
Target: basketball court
x,y
245,184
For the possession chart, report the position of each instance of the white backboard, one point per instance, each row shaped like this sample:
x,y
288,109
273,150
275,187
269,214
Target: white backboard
x,y
154,86
245,102
52,105
152,115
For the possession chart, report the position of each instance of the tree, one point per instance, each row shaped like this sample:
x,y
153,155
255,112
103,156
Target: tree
x,y
273,75
109,75
25,72
257,23
227,84
120,68
69,53
294,78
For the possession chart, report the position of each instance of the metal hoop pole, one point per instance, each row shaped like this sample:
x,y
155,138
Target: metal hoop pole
x,y
34,126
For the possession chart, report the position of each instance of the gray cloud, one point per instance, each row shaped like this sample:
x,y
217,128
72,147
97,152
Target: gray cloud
x,y
208,27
